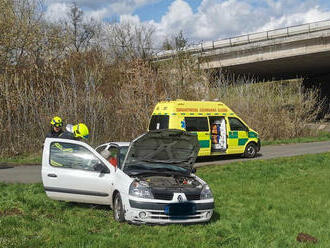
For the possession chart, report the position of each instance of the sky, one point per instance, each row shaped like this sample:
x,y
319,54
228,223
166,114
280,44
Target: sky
x,y
199,20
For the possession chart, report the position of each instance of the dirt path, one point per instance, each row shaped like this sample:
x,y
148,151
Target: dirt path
x,y
31,173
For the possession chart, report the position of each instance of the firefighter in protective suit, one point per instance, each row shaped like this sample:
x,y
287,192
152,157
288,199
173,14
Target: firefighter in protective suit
x,y
76,132
56,127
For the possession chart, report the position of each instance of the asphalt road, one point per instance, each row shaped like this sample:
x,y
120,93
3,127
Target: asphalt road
x,y
31,173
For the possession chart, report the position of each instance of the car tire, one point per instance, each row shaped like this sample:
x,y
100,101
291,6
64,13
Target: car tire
x,y
118,210
250,150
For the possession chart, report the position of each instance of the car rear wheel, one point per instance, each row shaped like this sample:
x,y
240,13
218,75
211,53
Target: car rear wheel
x,y
118,210
250,150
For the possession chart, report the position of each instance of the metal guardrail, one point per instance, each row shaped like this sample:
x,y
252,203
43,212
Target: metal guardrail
x,y
250,38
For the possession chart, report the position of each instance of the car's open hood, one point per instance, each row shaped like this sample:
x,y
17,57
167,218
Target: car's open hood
x,y
169,146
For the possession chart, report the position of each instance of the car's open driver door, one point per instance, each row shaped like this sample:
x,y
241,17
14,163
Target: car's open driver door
x,y
74,171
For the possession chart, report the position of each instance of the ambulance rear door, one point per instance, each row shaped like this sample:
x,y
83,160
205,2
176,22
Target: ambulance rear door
x,y
218,134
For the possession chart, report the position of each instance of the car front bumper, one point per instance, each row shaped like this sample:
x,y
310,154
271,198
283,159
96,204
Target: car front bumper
x,y
154,212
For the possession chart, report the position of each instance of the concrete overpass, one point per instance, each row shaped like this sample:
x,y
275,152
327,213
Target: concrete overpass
x,y
279,54
291,52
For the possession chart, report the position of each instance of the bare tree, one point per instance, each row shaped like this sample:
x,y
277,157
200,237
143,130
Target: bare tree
x,y
81,31
176,42
20,29
128,41
180,41
167,45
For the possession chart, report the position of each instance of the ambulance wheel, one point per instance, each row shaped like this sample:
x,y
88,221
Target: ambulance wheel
x,y
118,210
250,150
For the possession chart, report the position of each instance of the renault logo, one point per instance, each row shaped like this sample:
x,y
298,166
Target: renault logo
x,y
180,198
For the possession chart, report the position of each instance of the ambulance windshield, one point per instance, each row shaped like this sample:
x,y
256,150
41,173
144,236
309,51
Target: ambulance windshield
x,y
158,122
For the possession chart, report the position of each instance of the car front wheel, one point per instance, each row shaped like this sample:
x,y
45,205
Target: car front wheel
x,y
118,210
250,150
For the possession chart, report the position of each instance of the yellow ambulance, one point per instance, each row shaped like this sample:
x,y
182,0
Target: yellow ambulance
x,y
218,128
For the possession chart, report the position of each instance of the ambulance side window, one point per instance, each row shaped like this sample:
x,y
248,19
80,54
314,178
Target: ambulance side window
x,y
194,124
236,125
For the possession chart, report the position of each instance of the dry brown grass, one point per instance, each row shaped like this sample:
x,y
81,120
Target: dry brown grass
x,y
276,110
116,102
29,100
112,89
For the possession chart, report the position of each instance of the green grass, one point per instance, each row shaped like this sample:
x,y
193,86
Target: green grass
x,y
25,159
322,136
258,204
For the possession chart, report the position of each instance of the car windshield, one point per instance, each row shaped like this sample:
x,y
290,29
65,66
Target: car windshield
x,y
154,168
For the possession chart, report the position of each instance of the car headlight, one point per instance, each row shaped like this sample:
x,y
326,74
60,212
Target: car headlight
x,y
140,189
206,192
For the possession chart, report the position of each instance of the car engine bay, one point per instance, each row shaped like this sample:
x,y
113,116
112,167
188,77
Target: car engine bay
x,y
163,187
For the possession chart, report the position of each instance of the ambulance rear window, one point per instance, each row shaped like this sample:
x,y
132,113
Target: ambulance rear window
x,y
158,122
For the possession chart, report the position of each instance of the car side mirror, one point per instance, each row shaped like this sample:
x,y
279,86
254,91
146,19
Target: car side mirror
x,y
101,168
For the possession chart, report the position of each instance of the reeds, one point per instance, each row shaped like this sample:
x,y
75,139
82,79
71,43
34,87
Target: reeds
x,y
116,104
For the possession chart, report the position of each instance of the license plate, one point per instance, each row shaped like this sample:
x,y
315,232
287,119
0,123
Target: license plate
x,y
180,209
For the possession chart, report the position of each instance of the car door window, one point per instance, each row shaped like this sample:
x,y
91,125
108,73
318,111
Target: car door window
x,y
113,157
236,125
196,124
68,155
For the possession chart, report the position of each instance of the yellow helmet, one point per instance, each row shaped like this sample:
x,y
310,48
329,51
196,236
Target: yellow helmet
x,y
56,122
80,131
